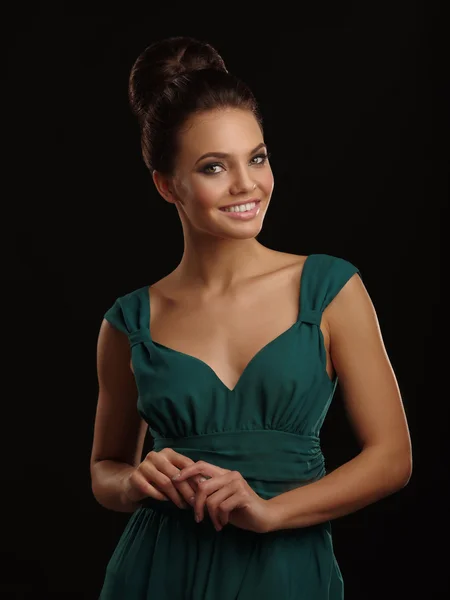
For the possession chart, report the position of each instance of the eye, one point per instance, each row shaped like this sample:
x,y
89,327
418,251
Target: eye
x,y
257,160
262,158
210,166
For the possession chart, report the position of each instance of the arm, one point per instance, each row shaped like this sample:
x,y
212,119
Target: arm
x,y
374,406
119,431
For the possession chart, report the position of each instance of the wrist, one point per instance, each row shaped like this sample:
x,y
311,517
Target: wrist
x,y
126,497
274,515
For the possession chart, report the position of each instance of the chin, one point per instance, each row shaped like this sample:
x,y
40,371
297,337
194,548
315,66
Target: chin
x,y
241,232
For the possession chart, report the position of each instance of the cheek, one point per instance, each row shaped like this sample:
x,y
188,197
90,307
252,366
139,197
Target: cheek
x,y
208,192
266,181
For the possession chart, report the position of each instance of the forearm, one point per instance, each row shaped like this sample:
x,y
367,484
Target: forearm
x,y
370,476
108,485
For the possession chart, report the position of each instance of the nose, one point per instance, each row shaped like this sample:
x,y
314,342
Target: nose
x,y
242,182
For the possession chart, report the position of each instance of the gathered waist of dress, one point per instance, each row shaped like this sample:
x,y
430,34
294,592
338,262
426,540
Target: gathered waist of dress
x,y
271,461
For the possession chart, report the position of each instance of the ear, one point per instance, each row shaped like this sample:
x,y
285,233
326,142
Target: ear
x,y
164,186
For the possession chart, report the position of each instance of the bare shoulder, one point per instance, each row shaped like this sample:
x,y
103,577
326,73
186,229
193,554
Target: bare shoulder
x,y
352,295
287,258
284,261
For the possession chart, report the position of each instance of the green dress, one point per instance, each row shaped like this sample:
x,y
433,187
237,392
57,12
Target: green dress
x,y
267,428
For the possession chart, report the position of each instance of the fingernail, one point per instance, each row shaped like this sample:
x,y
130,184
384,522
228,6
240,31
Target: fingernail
x,y
176,476
202,479
192,499
197,518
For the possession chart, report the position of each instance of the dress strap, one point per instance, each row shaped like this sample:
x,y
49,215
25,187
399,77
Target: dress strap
x,y
116,315
311,316
129,314
322,278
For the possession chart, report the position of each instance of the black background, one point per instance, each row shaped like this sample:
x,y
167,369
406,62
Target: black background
x,y
353,106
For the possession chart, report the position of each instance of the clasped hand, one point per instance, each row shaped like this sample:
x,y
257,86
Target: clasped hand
x,y
227,497
168,475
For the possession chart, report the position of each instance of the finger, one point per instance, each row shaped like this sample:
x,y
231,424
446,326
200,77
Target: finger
x,y
227,506
187,489
205,489
164,483
200,468
214,503
165,462
175,458
181,461
137,488
195,480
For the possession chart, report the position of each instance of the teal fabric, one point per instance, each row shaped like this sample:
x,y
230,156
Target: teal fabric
x,y
267,428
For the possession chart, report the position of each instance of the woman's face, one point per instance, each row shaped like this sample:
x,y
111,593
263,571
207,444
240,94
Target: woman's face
x,y
222,161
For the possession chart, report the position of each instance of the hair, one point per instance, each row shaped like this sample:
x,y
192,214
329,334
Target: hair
x,y
171,80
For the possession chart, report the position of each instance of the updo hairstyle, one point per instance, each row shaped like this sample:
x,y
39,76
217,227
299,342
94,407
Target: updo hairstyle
x,y
173,79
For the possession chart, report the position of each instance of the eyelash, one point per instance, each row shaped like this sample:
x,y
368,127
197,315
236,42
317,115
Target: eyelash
x,y
264,156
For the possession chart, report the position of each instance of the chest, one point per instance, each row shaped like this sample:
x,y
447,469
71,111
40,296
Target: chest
x,y
225,339
226,333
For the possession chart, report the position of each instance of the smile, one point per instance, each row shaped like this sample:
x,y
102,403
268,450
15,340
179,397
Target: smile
x,y
244,211
240,207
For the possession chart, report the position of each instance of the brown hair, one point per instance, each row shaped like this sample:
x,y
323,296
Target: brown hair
x,y
173,79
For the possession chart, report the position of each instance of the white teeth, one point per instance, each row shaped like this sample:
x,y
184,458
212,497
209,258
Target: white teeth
x,y
240,207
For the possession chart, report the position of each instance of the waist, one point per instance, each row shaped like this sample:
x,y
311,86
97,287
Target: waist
x,y
271,461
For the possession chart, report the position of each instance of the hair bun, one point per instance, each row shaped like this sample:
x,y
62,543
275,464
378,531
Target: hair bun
x,y
164,61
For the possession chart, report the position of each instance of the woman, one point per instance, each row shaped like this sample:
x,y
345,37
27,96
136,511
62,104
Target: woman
x,y
231,362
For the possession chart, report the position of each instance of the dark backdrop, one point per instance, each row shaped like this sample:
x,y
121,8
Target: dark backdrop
x,y
353,106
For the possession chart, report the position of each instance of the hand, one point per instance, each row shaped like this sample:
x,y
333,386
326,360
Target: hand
x,y
153,477
228,498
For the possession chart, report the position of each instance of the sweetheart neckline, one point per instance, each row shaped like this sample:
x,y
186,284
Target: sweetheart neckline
x,y
246,368
146,289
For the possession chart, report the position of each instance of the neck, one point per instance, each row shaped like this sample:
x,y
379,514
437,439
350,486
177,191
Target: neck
x,y
216,264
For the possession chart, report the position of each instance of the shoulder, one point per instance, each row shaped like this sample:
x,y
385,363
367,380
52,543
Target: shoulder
x,y
348,305
127,296
322,275
332,273
121,312
334,281
329,261
284,261
332,262
326,271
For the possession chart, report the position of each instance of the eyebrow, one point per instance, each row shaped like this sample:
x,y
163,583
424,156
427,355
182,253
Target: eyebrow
x,y
225,155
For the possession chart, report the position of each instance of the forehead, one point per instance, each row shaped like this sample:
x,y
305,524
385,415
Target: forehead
x,y
224,130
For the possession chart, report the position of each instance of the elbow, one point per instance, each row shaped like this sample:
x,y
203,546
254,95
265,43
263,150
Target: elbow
x,y
407,473
394,467
96,480
94,490
403,470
